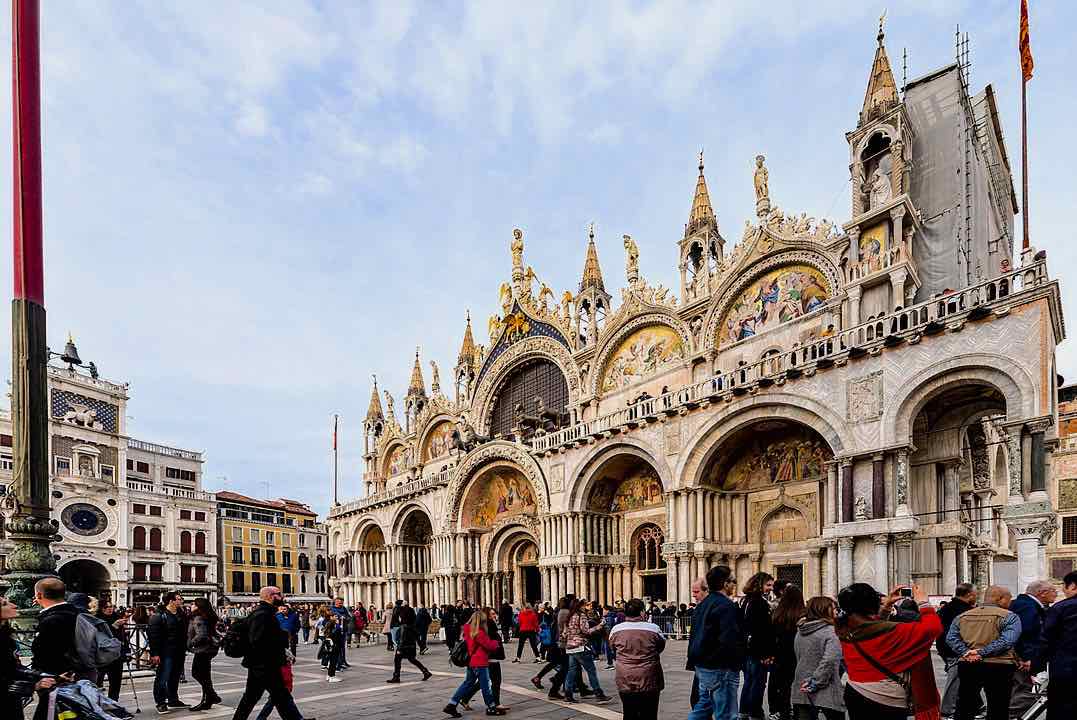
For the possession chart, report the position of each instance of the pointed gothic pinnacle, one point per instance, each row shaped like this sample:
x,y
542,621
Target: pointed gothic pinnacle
x,y
467,347
702,213
592,271
374,412
417,386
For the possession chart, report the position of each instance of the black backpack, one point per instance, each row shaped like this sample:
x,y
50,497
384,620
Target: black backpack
x,y
237,641
460,657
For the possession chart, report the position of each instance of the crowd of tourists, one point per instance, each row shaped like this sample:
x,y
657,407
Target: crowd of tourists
x,y
863,655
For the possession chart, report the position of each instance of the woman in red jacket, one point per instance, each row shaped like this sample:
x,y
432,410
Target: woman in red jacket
x,y
529,627
479,647
888,663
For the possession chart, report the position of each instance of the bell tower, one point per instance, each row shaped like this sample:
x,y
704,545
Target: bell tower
x,y
879,267
415,400
592,302
373,426
464,373
702,248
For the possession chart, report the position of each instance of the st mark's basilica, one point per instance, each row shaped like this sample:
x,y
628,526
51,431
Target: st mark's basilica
x,y
869,400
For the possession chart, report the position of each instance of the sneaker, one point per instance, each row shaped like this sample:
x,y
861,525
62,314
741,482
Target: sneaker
x,y
537,683
609,667
452,711
586,692
334,679
569,699
538,660
516,660
163,709
602,698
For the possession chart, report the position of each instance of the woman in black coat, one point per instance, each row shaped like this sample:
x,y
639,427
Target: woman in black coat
x,y
12,670
407,646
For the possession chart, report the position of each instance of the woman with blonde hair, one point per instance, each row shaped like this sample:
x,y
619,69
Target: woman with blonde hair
x,y
479,647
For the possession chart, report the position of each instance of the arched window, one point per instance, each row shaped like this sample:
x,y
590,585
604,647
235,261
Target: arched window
x,y
534,389
139,540
185,542
200,543
319,563
649,549
155,538
304,562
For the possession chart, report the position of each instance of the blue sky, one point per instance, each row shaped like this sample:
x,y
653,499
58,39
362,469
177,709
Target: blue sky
x,y
251,207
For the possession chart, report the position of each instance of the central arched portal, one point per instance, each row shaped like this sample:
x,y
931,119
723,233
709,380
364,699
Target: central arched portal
x,y
499,507
414,554
770,476
625,508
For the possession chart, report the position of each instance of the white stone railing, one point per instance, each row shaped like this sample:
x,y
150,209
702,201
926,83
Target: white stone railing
x,y
164,450
150,488
928,317
415,486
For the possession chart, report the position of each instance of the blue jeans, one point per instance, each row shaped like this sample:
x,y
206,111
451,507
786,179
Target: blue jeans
x,y
480,676
755,685
587,662
166,679
717,695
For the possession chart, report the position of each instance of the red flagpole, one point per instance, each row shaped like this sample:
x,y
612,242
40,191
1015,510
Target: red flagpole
x,y
26,130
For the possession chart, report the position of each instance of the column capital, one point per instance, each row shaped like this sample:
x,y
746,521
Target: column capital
x,y
904,538
897,212
846,542
881,539
1040,425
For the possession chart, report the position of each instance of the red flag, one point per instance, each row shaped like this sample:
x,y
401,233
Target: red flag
x,y
1024,45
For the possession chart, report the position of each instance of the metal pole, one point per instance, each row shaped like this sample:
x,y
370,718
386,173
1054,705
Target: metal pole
x,y
29,525
1024,165
336,463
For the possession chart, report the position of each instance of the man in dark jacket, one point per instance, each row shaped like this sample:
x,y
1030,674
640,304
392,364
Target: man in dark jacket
x,y
167,636
343,616
450,625
1031,606
54,644
715,650
266,645
1058,648
964,600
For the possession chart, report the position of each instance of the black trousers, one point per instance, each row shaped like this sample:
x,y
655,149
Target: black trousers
x,y
640,705
114,673
269,680
399,659
528,637
200,671
779,688
810,712
996,682
452,636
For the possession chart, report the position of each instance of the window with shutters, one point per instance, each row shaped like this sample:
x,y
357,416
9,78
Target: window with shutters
x,y
200,543
139,539
155,538
1069,530
185,542
520,392
200,573
237,581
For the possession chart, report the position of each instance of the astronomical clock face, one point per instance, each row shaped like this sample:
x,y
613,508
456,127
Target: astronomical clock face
x,y
84,519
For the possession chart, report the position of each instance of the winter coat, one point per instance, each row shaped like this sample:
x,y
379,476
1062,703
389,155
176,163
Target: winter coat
x,y
818,657
578,632
479,647
529,620
757,628
408,644
289,622
266,641
947,615
167,634
639,645
715,639
201,638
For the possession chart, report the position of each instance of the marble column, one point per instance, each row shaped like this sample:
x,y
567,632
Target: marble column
x,y
847,491
949,567
1038,463
878,488
901,482
845,561
903,558
832,570
831,493
1013,447
854,305
814,585
699,513
672,578
882,562
684,574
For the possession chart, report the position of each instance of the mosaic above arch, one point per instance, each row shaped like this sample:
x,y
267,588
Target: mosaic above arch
x,y
639,488
398,460
495,495
776,297
438,441
645,352
768,454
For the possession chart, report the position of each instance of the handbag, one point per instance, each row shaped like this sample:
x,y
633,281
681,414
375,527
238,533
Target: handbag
x,y
460,655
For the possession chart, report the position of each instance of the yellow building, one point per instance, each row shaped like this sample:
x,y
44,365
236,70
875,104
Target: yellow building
x,y
270,542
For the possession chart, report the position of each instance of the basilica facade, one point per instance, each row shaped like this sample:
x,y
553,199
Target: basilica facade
x,y
871,399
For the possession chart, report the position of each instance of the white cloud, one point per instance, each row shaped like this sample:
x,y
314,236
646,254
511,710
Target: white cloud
x,y
606,133
252,120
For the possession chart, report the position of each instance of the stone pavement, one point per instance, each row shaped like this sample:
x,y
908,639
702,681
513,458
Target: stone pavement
x,y
363,692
